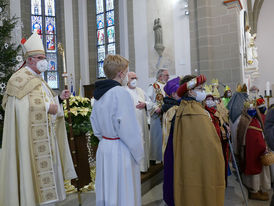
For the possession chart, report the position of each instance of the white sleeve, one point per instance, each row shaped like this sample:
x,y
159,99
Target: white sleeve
x,y
128,128
152,104
94,124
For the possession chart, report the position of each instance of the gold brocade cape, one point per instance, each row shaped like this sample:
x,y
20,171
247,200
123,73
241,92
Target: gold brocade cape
x,y
167,120
29,138
199,176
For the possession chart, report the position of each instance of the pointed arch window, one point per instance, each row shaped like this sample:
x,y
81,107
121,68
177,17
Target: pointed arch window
x,y
105,32
43,22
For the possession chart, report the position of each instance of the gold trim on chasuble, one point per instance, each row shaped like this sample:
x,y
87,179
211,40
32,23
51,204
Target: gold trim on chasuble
x,y
42,157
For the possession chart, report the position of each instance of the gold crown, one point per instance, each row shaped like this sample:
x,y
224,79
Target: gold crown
x,y
208,89
239,88
227,88
216,93
215,82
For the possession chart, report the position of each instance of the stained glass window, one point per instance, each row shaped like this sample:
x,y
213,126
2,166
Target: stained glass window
x,y
52,79
99,6
110,18
36,22
49,7
44,23
36,7
50,25
105,32
100,21
109,5
111,34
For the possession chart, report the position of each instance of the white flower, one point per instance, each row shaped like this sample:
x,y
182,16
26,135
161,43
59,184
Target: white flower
x,y
2,86
6,45
19,58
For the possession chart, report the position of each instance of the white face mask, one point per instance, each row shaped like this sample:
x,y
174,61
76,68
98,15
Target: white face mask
x,y
42,65
125,80
133,83
200,95
210,103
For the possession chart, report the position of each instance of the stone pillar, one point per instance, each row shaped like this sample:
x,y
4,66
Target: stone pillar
x,y
215,41
69,39
83,42
123,28
15,10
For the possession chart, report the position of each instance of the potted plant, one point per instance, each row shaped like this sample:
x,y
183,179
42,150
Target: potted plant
x,y
84,140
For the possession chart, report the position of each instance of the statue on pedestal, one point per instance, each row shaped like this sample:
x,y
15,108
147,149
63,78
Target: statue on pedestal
x,y
251,53
158,34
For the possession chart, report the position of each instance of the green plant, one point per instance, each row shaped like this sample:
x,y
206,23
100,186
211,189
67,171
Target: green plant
x,y
9,58
80,109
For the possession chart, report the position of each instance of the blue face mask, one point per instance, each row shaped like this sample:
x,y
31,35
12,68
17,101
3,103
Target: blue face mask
x,y
252,112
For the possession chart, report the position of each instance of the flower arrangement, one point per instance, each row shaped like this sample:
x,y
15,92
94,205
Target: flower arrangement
x,y
80,109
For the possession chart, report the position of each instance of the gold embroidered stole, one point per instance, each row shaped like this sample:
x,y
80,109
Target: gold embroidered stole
x,y
23,83
42,160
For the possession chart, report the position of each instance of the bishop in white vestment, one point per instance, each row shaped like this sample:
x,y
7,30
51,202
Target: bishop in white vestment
x,y
35,156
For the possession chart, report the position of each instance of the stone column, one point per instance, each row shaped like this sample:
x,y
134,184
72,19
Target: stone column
x,y
69,39
15,10
83,42
123,28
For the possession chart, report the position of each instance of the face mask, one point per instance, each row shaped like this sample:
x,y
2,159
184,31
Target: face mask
x,y
133,83
200,95
262,109
42,65
210,103
125,80
252,112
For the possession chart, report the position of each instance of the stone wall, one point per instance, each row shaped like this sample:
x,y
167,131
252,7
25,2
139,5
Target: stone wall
x,y
214,41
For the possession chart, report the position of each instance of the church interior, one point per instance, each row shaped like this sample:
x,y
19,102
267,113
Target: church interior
x,y
227,41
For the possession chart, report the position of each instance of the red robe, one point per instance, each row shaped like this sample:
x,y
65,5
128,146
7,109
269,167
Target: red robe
x,y
255,147
216,122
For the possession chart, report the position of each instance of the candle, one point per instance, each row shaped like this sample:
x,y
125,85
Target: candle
x,y
267,89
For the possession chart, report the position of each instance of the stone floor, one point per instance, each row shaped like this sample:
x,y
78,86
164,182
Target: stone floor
x,y
154,197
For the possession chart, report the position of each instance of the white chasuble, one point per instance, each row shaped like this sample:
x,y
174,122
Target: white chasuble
x,y
35,157
138,96
117,161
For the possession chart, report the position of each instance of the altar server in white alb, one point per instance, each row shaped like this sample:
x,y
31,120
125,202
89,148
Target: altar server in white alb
x,y
35,156
142,103
120,149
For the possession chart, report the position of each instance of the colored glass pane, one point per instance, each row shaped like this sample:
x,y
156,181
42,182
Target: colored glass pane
x,y
111,49
110,18
101,53
36,7
52,60
101,73
109,5
52,79
111,34
100,37
99,6
49,8
50,25
100,21
36,22
50,43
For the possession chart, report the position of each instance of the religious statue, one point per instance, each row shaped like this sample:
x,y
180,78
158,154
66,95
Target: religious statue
x,y
158,35
251,51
